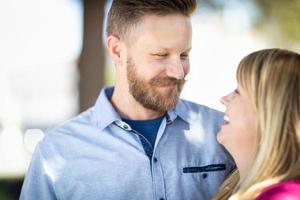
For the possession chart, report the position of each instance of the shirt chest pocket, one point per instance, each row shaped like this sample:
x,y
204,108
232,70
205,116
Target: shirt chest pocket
x,y
206,168
212,172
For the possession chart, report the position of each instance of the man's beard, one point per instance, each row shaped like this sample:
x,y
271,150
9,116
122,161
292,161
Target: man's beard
x,y
148,93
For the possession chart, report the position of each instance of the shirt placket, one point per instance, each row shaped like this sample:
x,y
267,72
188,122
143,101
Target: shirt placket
x,y
156,167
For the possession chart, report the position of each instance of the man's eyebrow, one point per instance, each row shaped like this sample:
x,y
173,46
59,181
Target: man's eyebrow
x,y
170,49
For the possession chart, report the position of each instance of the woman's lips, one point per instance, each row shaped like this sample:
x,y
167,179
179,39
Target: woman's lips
x,y
225,120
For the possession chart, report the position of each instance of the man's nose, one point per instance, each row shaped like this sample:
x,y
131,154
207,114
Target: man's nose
x,y
176,70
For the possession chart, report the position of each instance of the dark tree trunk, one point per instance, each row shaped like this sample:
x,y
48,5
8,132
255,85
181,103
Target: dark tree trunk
x,y
92,59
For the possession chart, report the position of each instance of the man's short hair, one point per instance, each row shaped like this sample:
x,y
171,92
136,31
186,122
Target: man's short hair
x,y
124,14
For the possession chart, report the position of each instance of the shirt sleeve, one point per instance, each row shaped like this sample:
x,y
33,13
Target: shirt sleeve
x,y
38,183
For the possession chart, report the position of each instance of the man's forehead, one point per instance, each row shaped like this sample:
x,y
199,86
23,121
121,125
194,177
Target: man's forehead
x,y
158,23
161,32
168,48
157,20
162,45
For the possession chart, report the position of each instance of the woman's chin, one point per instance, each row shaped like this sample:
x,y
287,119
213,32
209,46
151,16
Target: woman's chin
x,y
220,137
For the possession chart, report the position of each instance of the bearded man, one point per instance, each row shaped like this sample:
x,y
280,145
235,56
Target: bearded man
x,y
139,141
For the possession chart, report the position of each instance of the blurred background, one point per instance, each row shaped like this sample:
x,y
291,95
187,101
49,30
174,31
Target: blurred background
x,y
53,63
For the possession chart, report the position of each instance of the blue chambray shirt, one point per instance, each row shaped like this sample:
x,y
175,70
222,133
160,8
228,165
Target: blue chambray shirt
x,y
98,156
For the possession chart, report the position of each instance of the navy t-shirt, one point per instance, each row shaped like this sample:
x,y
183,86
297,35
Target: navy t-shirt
x,y
147,128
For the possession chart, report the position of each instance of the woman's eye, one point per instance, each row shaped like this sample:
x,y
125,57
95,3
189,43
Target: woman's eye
x,y
236,91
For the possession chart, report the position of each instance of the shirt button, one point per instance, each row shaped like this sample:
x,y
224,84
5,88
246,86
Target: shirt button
x,y
125,126
204,176
162,199
168,120
155,160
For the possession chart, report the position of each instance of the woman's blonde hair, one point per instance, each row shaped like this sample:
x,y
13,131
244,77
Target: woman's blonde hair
x,y
271,79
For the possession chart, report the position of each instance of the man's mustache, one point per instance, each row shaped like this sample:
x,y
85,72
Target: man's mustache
x,y
158,81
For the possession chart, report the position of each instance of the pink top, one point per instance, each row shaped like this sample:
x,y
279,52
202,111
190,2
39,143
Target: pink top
x,y
287,190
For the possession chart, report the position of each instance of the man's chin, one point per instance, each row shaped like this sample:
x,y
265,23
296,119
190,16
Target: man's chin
x,y
169,101
159,99
167,91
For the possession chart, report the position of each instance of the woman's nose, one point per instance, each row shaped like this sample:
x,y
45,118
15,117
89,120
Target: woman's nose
x,y
225,100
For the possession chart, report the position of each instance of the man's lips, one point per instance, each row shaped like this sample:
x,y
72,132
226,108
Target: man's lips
x,y
166,82
168,85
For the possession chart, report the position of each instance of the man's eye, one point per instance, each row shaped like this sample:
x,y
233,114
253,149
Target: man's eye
x,y
160,54
184,55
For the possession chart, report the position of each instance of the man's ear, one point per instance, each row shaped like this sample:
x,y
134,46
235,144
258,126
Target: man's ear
x,y
114,46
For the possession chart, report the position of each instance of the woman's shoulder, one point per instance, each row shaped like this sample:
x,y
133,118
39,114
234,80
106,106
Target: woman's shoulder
x,y
289,189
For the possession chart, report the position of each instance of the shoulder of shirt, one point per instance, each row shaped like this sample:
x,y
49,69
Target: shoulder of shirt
x,y
70,128
191,110
285,190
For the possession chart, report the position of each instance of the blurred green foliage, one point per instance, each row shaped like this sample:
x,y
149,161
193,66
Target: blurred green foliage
x,y
4,195
279,20
10,188
282,16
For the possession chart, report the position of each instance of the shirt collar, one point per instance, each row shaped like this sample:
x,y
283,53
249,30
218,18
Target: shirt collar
x,y
179,111
103,111
105,114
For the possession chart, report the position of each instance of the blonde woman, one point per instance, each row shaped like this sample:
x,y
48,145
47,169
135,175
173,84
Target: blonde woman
x,y
261,128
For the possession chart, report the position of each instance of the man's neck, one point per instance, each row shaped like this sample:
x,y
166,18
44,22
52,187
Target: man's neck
x,y
129,108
